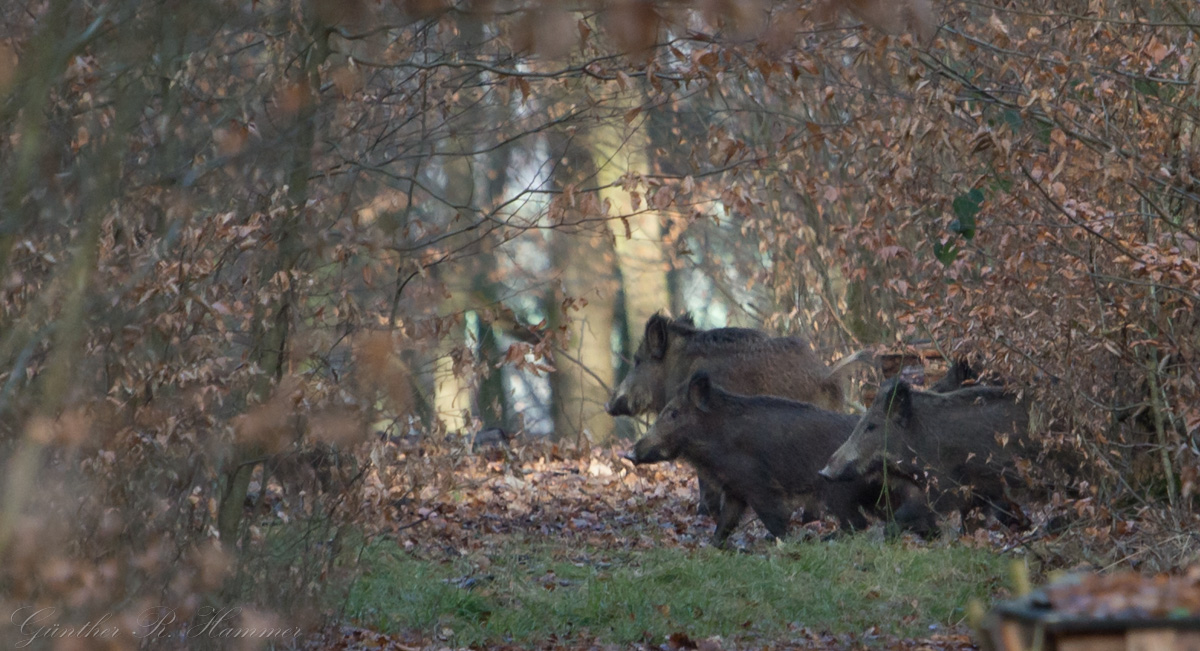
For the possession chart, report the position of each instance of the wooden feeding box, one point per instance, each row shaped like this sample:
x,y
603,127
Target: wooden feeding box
x,y
1119,612
921,365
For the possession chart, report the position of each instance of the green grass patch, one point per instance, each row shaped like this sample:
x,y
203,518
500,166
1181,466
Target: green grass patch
x,y
527,592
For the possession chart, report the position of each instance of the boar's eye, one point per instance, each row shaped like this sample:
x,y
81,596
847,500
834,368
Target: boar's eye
x,y
870,427
674,413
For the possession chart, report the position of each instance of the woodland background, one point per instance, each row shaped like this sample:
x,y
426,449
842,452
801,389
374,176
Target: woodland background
x,y
282,260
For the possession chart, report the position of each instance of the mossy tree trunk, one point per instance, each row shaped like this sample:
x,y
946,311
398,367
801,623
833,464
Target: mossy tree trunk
x,y
583,305
620,154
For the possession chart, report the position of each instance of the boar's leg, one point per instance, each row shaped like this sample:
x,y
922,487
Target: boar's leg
x,y
915,515
774,514
911,509
811,508
904,506
1005,510
710,495
970,524
1012,516
990,494
729,517
842,500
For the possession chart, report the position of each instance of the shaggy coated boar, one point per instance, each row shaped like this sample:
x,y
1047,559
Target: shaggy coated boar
x,y
745,360
952,445
762,451
740,359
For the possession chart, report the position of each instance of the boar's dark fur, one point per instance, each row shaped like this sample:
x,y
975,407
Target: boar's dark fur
x,y
742,360
745,360
763,452
957,446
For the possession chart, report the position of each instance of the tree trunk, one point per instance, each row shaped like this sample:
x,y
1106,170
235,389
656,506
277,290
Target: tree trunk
x,y
473,183
69,334
452,390
272,323
619,152
582,252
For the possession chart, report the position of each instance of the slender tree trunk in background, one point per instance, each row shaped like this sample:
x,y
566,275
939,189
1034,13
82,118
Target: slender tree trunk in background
x,y
70,327
474,183
28,105
26,461
1174,327
492,396
789,291
452,390
1190,151
1181,211
585,373
272,324
583,254
619,149
863,309
667,128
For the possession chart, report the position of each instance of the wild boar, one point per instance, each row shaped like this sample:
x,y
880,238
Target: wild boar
x,y
745,360
958,447
762,451
742,360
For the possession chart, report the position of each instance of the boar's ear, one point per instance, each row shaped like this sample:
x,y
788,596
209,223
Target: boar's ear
x,y
656,336
898,400
686,319
700,391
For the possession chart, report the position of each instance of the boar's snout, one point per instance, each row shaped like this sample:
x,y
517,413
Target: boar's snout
x,y
646,451
845,473
618,406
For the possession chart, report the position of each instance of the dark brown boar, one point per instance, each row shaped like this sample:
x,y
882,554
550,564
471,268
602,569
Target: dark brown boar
x,y
957,447
762,451
740,359
745,360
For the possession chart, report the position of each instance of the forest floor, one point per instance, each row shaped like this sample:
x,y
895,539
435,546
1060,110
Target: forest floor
x,y
550,551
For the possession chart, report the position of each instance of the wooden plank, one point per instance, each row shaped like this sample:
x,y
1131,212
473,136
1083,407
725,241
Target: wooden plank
x,y
1089,642
1150,640
1187,640
1012,636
